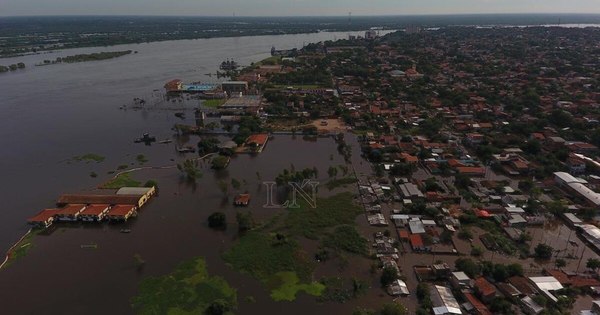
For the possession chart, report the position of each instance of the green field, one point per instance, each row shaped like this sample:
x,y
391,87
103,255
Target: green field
x,y
123,180
214,103
330,212
189,289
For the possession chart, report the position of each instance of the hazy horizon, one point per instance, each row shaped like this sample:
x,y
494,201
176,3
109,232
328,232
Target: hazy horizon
x,y
283,8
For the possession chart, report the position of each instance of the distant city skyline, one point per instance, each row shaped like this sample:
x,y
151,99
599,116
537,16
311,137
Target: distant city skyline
x,y
291,8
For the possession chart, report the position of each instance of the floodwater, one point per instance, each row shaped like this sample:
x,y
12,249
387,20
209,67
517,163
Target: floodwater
x,y
51,114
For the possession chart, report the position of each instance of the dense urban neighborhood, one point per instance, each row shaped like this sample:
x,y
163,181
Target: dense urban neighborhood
x,y
483,144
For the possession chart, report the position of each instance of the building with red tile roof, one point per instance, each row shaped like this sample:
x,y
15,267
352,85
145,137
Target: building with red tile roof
x,y
478,307
122,212
484,289
69,213
43,219
95,212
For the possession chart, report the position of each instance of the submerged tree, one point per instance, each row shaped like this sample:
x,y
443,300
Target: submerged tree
x,y
218,221
190,169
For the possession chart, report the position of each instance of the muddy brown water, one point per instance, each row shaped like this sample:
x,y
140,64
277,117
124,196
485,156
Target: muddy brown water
x,y
51,114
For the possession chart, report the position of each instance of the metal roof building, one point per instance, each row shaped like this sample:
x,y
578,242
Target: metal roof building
x,y
444,302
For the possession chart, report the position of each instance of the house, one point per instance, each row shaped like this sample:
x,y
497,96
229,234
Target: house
x,y
69,213
576,164
144,193
508,290
443,301
416,242
242,200
100,199
43,219
258,141
484,289
398,288
546,285
460,280
530,306
471,170
475,305
94,213
122,212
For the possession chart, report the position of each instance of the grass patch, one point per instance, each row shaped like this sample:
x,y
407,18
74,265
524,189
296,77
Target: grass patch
x,y
22,248
341,182
141,158
214,103
290,286
330,212
90,157
123,180
262,255
346,238
189,289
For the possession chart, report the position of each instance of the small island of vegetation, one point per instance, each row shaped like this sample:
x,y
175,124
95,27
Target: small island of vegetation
x,y
87,57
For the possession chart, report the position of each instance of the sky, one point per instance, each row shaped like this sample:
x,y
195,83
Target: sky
x,y
290,7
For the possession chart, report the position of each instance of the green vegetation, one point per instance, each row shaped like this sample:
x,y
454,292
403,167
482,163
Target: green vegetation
x,y
90,157
123,180
88,57
341,182
543,251
220,162
189,168
214,103
347,238
388,276
151,183
342,290
22,248
290,285
141,158
218,221
265,256
189,289
330,212
262,255
245,221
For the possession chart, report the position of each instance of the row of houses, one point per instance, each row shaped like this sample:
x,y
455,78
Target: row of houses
x,y
95,208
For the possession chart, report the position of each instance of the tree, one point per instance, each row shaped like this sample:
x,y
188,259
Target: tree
x,y
218,307
220,162
223,186
151,183
388,276
190,169
393,309
218,221
560,263
245,221
476,251
468,266
543,251
235,183
593,264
